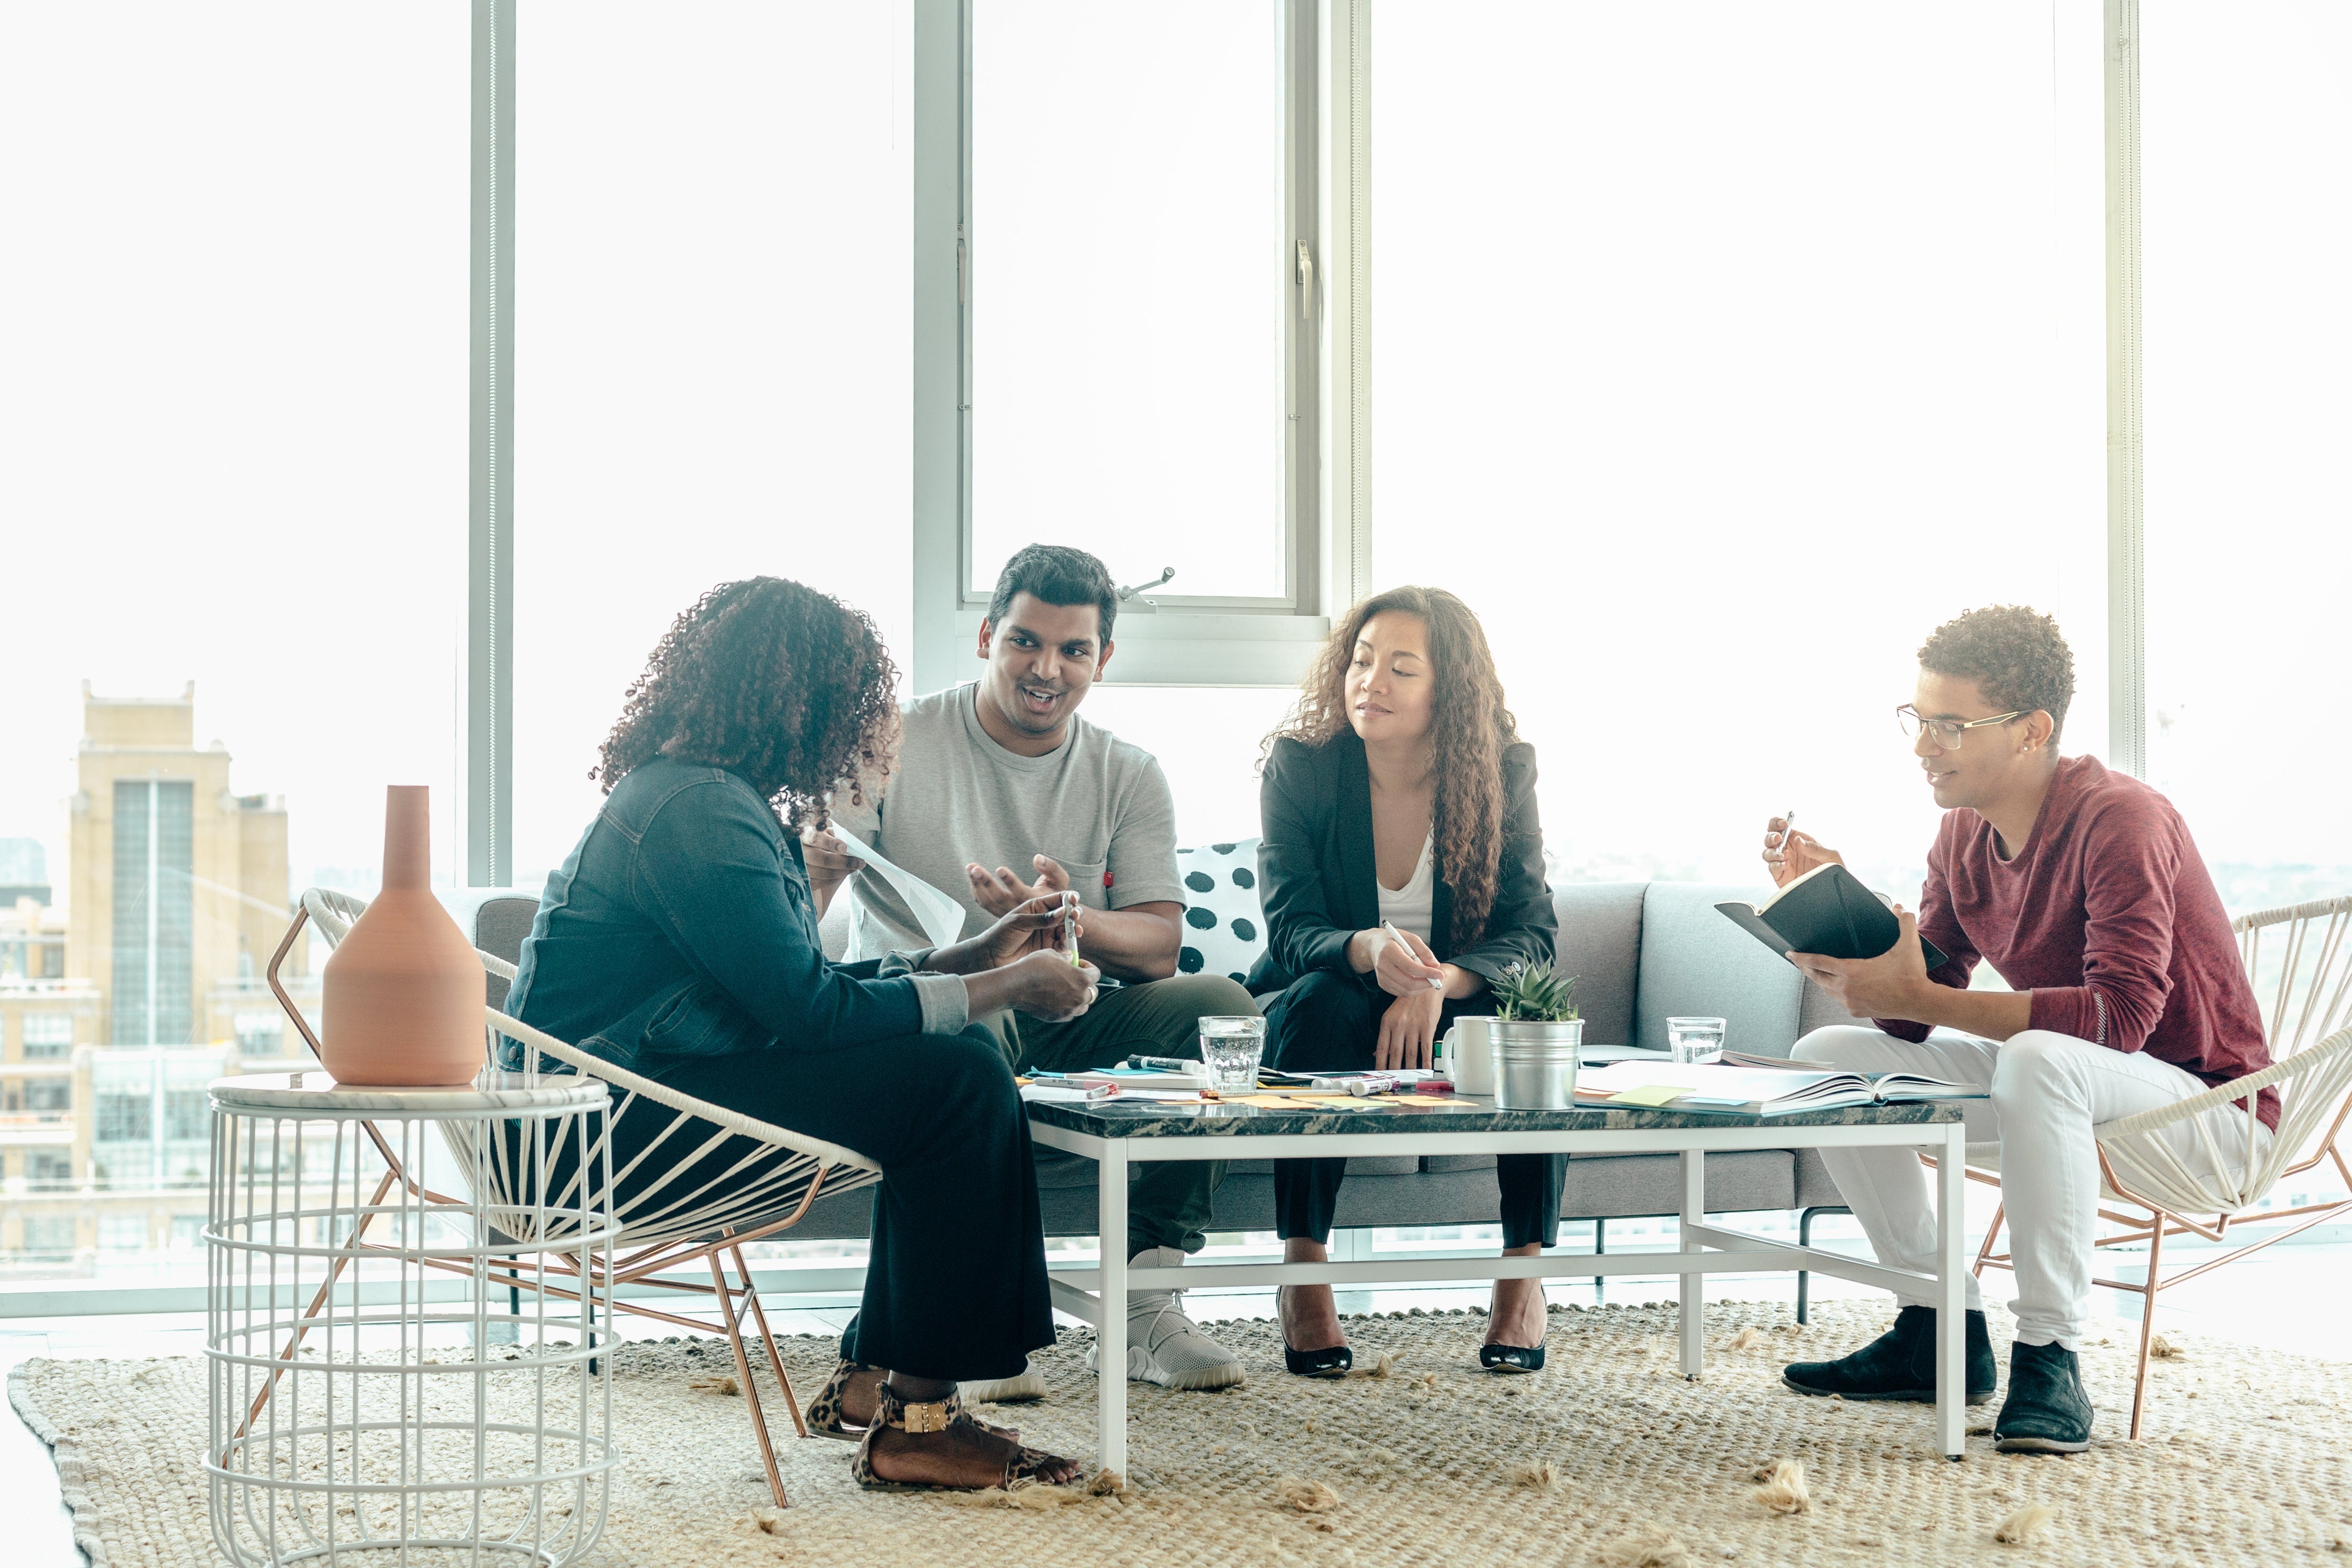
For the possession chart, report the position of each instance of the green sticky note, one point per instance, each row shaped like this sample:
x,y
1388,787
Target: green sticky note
x,y
1655,1094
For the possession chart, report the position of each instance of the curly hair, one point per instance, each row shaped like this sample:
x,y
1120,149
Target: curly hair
x,y
2016,657
786,687
1469,728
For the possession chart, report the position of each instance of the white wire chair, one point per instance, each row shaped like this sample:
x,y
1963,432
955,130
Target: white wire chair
x,y
2153,1190
770,1178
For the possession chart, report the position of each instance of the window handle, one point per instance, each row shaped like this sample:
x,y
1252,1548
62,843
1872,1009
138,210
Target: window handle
x,y
1128,594
1306,282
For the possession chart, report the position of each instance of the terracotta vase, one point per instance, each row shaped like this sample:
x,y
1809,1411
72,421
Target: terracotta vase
x,y
401,1001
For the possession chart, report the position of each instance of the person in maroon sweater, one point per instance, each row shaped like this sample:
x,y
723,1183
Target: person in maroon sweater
x,y
2082,890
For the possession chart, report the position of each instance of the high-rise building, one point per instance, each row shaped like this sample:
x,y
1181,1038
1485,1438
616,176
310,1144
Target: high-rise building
x,y
177,884
177,896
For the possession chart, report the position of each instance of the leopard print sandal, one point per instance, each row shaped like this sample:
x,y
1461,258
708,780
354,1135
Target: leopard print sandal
x,y
1025,1464
826,1420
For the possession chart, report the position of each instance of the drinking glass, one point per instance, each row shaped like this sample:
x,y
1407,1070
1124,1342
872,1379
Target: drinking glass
x,y
1695,1040
1231,1047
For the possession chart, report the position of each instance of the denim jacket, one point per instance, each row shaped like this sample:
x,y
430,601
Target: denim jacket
x,y
682,925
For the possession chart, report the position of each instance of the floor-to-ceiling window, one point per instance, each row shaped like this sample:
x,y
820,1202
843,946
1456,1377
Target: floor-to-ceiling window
x,y
233,462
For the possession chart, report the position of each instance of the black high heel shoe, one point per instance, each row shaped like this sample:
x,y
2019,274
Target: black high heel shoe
x,y
1334,1362
1511,1357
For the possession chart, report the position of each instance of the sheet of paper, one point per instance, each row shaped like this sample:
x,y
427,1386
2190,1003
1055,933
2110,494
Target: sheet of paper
x,y
1652,1094
940,917
1422,1099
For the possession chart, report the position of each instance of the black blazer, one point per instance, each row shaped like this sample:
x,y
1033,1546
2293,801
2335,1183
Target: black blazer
x,y
1317,884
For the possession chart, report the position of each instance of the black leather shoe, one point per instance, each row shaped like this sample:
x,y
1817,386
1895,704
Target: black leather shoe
x,y
1511,1357
1900,1364
2047,1410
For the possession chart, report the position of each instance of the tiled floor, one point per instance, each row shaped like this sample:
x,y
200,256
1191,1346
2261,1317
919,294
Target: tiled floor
x,y
2284,1299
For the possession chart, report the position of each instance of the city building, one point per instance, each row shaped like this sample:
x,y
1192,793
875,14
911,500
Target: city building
x,y
118,1010
178,885
24,873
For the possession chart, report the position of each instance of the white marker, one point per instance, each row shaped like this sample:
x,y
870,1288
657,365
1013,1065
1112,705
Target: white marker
x,y
1397,936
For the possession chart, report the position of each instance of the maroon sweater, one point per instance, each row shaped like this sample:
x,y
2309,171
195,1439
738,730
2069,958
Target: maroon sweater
x,y
2108,918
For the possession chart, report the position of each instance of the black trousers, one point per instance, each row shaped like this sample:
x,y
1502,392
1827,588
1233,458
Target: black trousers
x,y
955,1286
1332,1020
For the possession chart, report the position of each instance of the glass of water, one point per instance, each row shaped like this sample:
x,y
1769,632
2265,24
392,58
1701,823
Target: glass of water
x,y
1695,1040
1231,1047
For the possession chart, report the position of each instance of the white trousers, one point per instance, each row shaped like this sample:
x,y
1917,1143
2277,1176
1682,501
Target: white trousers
x,y
2048,1092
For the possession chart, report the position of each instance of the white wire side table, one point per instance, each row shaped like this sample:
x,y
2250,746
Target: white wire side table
x,y
377,1390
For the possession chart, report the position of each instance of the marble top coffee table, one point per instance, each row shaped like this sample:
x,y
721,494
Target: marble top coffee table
x,y
1116,1133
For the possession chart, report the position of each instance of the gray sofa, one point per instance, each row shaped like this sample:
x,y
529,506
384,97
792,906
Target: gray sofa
x,y
1642,952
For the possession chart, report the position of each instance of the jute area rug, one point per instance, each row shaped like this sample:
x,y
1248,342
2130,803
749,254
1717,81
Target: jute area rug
x,y
1608,1457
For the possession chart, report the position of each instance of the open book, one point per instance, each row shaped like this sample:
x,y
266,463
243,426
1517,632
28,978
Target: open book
x,y
1757,1091
1829,911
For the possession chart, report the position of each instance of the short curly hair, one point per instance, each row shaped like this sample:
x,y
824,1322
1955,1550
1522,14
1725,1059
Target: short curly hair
x,y
2016,655
787,688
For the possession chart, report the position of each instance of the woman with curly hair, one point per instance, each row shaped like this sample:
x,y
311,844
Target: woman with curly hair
x,y
679,940
1402,872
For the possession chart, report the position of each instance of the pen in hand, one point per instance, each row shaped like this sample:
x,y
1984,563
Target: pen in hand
x,y
1397,936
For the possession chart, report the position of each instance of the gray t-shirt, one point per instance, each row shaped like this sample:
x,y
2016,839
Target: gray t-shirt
x,y
1097,804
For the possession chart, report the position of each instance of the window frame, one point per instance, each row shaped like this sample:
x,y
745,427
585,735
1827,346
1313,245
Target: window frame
x,y
1166,638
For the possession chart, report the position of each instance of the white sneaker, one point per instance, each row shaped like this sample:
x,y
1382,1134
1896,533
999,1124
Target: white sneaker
x,y
1018,1390
1163,1346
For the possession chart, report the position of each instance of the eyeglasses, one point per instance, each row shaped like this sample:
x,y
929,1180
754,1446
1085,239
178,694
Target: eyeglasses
x,y
1944,734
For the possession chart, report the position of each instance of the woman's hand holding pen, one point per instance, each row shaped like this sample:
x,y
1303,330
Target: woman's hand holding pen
x,y
1399,962
1018,963
1039,924
1790,854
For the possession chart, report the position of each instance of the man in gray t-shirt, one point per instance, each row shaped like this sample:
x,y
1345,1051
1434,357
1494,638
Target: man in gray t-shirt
x,y
1002,792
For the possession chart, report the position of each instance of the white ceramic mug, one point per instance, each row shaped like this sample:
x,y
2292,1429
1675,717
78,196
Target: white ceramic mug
x,y
1469,1059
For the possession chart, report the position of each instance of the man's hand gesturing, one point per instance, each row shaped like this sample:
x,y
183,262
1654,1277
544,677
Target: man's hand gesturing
x,y
1000,892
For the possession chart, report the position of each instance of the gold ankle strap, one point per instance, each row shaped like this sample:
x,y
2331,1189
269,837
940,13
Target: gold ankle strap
x,y
935,1417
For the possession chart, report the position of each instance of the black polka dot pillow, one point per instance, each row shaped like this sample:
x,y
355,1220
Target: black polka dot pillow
x,y
1224,930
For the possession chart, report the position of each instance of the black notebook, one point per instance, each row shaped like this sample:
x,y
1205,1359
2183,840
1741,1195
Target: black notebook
x,y
1825,910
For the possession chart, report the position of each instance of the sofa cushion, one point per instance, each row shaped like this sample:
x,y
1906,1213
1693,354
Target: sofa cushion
x,y
495,920
1224,927
1816,1011
1694,961
1814,1188
1601,944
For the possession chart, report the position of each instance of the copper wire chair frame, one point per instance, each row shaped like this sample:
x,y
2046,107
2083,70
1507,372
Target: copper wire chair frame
x,y
2158,1220
836,1169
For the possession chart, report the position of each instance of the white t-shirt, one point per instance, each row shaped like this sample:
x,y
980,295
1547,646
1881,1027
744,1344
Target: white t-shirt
x,y
1096,803
1407,908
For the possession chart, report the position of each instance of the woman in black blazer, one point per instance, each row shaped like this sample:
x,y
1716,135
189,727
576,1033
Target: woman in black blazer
x,y
1401,872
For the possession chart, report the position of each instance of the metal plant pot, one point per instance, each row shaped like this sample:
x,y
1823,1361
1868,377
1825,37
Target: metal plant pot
x,y
1535,1064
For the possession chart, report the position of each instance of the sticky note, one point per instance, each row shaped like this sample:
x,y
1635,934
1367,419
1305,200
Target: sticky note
x,y
1655,1094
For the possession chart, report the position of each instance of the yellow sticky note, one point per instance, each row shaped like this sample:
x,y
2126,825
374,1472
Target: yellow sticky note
x,y
1655,1094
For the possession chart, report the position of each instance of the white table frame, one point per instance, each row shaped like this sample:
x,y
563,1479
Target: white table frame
x,y
1704,1248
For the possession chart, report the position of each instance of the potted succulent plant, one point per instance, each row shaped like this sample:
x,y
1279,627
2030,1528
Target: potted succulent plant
x,y
1536,1034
